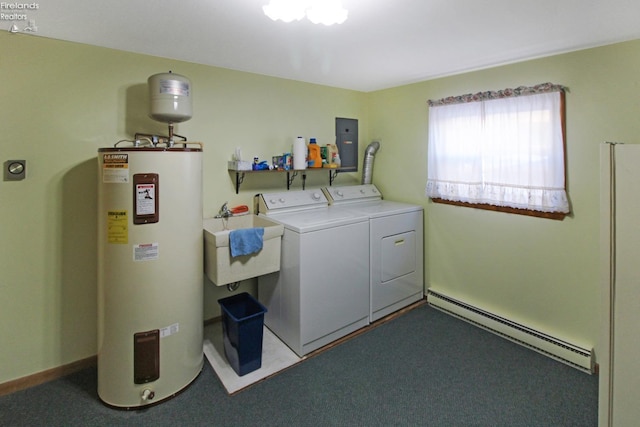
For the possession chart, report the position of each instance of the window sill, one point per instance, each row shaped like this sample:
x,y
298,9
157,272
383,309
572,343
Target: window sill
x,y
549,215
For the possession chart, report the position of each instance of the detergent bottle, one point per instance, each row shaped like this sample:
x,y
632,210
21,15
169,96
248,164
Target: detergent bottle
x,y
332,152
315,158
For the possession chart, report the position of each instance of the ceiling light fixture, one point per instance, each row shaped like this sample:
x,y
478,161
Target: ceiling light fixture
x,y
327,12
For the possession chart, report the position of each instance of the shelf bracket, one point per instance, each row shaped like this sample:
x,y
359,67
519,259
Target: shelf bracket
x,y
332,176
290,177
239,180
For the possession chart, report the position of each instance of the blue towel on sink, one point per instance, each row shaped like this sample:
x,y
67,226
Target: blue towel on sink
x,y
245,241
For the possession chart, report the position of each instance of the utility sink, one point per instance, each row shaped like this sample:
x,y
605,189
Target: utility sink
x,y
221,268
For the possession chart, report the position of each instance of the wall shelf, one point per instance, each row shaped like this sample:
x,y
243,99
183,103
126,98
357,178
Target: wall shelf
x,y
291,175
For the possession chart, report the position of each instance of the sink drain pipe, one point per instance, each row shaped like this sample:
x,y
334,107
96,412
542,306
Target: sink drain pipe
x,y
367,166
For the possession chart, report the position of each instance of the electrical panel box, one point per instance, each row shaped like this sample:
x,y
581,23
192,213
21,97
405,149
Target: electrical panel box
x,y
347,142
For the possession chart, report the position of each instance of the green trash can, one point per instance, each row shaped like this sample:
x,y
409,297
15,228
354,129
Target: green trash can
x,y
242,324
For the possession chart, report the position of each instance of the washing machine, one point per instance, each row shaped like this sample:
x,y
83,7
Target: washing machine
x,y
396,261
321,292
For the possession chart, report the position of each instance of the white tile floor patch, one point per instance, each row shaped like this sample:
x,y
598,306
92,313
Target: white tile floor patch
x,y
275,357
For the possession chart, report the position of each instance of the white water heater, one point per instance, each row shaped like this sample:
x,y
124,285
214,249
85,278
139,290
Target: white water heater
x,y
150,273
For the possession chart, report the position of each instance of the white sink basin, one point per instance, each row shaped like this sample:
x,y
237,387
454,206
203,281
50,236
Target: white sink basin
x,y
221,268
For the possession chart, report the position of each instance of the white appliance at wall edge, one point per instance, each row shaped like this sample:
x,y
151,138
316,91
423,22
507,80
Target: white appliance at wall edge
x,y
620,277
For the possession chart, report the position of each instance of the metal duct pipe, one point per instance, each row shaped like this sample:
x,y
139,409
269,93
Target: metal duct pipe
x,y
367,166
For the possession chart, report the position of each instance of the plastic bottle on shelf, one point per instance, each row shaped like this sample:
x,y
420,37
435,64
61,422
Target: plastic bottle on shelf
x,y
315,158
336,160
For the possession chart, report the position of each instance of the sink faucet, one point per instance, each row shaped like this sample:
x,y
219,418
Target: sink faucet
x,y
224,211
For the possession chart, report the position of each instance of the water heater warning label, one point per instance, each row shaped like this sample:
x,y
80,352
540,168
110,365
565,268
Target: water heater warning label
x,y
118,227
170,330
145,252
145,199
115,168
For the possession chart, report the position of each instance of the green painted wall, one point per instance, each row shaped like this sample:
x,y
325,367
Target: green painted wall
x,y
542,273
61,101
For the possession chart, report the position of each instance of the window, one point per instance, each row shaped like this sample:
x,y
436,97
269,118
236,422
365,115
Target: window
x,y
500,150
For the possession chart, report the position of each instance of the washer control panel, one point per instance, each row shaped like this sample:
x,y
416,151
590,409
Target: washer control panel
x,y
291,200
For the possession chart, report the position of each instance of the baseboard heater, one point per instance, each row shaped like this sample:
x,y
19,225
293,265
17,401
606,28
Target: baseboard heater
x,y
573,355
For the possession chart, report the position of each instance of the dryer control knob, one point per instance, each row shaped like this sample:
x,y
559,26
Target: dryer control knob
x,y
316,196
281,200
362,191
340,193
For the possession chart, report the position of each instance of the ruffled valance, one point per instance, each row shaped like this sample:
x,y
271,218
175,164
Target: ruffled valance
x,y
504,93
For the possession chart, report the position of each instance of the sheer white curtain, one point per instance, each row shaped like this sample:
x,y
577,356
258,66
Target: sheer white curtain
x,y
504,151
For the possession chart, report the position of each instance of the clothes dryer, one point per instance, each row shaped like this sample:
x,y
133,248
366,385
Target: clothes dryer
x,y
396,257
321,292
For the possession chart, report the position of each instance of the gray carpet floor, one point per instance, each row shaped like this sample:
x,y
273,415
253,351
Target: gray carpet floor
x,y
424,368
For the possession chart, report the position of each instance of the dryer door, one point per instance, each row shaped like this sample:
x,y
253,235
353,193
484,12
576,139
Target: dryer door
x,y
396,262
398,255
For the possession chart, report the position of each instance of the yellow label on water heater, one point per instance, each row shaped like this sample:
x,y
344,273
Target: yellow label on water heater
x,y
118,227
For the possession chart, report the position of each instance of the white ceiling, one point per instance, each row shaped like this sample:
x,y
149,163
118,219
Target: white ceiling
x,y
383,43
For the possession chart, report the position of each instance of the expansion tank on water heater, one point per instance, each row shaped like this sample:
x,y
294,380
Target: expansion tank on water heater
x,y
150,273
